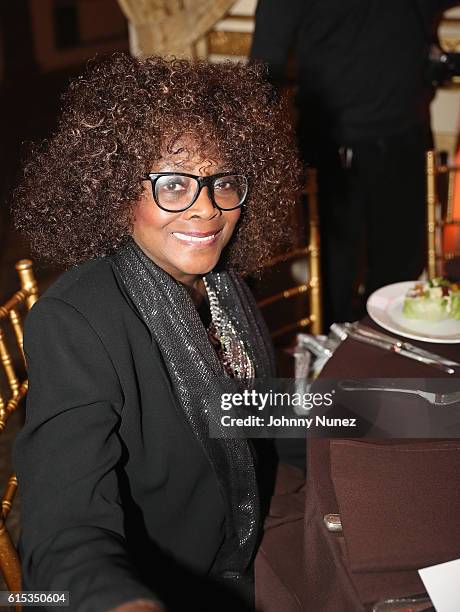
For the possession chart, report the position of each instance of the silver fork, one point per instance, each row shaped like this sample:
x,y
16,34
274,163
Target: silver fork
x,y
436,399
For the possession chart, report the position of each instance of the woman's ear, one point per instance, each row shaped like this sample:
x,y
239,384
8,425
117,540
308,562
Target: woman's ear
x,y
144,198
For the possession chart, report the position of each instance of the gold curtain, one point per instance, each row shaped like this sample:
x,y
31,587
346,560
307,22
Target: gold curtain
x,y
171,27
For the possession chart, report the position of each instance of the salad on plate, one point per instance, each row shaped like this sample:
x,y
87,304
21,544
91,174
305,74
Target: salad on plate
x,y
434,300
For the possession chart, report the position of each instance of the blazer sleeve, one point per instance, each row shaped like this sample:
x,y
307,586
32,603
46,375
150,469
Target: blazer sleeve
x,y
274,34
66,459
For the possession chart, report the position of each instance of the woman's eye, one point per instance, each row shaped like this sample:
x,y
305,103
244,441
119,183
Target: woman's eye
x,y
173,186
224,186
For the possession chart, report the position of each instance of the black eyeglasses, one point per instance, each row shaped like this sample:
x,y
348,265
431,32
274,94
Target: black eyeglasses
x,y
177,191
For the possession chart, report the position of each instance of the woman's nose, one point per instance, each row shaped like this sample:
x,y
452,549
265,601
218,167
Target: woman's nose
x,y
203,206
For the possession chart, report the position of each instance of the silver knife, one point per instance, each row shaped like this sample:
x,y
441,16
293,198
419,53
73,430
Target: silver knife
x,y
341,330
372,333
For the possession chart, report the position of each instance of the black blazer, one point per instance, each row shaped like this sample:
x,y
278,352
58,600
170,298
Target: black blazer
x,y
118,499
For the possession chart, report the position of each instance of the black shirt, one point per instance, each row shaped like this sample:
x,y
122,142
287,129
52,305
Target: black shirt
x,y
361,63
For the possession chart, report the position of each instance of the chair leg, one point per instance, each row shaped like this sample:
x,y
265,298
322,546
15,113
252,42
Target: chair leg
x,y
9,561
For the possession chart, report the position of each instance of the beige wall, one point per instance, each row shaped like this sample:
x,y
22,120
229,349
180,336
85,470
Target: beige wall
x,y
231,38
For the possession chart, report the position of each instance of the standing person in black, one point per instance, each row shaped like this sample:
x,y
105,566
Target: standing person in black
x,y
364,121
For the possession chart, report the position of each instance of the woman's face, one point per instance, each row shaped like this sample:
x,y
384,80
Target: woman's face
x,y
167,237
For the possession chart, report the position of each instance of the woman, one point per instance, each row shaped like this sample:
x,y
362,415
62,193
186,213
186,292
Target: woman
x,y
163,180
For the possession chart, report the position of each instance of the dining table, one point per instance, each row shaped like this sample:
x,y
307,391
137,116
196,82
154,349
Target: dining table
x,y
396,500
370,556
353,359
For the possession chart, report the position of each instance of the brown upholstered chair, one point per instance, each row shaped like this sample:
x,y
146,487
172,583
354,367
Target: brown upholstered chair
x,y
13,388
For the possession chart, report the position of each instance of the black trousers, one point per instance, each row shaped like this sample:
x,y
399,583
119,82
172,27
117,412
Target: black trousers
x,y
371,203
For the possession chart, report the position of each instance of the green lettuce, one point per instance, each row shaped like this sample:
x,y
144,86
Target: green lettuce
x,y
426,308
455,307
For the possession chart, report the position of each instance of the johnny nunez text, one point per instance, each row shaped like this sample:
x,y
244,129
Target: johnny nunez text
x,y
271,421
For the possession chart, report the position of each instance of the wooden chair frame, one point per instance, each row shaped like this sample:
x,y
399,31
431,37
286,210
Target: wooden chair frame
x,y
437,220
9,312
312,252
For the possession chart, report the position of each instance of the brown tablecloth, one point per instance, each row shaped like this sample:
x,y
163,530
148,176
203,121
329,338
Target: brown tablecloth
x,y
295,550
280,563
353,359
349,588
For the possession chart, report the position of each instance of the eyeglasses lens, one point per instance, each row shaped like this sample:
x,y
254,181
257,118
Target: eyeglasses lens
x,y
176,192
230,191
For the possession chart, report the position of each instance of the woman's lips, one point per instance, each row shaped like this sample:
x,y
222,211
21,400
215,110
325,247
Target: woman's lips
x,y
197,239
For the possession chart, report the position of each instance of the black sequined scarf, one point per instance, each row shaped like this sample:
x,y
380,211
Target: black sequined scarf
x,y
197,378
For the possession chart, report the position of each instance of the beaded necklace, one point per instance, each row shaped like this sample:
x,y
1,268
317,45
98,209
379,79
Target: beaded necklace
x,y
229,346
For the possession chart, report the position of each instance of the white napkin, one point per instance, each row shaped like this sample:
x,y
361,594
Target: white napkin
x,y
442,583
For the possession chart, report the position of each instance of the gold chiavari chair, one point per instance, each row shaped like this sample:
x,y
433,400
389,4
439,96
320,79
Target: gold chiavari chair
x,y
12,392
441,223
289,290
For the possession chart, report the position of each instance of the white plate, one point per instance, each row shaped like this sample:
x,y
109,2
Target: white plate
x,y
385,308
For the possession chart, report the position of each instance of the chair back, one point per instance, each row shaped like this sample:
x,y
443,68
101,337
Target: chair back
x,y
289,289
13,388
443,229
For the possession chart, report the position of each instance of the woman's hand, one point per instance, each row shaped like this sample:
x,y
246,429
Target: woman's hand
x,y
139,605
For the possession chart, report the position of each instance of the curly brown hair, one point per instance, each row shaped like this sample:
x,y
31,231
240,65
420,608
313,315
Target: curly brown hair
x,y
76,200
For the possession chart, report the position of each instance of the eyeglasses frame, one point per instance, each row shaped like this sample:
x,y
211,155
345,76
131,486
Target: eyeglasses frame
x,y
203,181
